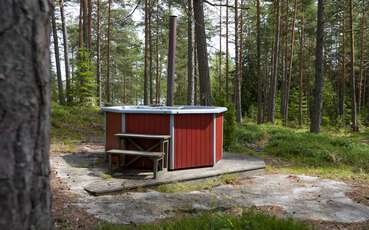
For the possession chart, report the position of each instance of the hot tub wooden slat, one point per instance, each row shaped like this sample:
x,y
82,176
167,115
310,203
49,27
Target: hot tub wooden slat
x,y
146,136
136,153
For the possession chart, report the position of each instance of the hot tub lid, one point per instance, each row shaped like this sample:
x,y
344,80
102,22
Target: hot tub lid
x,y
180,109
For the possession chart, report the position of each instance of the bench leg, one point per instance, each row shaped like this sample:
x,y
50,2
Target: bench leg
x,y
155,168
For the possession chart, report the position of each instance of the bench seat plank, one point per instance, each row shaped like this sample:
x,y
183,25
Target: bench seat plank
x,y
145,136
136,153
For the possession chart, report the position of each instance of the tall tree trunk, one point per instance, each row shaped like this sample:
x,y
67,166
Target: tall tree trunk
x,y
273,83
196,72
57,60
362,51
202,53
98,64
80,25
89,24
107,87
85,23
66,50
258,69
24,115
171,59
158,69
342,82
237,95
151,88
146,55
354,124
301,88
190,54
227,53
284,57
289,64
220,49
316,107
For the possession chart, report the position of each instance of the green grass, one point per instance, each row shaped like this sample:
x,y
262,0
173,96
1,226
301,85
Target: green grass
x,y
337,154
74,124
248,220
195,186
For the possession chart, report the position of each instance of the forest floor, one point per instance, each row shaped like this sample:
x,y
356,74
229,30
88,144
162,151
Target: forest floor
x,y
289,153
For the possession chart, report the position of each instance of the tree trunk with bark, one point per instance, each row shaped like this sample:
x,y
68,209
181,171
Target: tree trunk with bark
x,y
237,91
151,85
80,25
57,60
354,124
158,69
190,54
98,50
202,53
85,23
227,53
24,115
66,50
258,68
273,83
146,55
362,51
301,85
107,87
89,25
342,81
316,107
220,49
289,65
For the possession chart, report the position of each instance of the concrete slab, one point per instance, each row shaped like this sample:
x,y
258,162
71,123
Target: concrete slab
x,y
83,167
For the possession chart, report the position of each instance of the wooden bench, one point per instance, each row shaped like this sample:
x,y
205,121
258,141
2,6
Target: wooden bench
x,y
155,156
147,152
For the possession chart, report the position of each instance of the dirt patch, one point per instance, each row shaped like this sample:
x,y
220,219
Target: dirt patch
x,y
65,213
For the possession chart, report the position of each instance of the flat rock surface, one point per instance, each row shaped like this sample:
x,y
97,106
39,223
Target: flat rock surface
x,y
92,177
299,196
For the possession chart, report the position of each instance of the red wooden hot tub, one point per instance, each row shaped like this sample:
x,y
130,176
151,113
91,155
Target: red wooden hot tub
x,y
196,132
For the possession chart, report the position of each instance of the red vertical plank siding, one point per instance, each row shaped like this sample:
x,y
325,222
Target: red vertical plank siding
x,y
193,140
156,124
219,137
113,126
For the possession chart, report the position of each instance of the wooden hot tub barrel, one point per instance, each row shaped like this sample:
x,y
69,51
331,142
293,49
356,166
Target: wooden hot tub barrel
x,y
196,132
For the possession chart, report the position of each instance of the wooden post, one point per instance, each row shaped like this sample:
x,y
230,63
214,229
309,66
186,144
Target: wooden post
x,y
171,59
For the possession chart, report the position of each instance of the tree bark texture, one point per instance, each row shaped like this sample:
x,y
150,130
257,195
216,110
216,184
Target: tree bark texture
x,y
227,53
24,115
273,83
316,107
146,55
202,53
289,65
258,68
66,50
301,85
57,60
190,55
98,54
354,124
107,87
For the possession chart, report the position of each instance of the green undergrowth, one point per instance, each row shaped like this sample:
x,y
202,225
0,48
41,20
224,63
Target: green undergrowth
x,y
195,186
248,220
75,124
336,154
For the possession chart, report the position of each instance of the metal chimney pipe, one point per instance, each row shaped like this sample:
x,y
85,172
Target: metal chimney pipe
x,y
171,59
